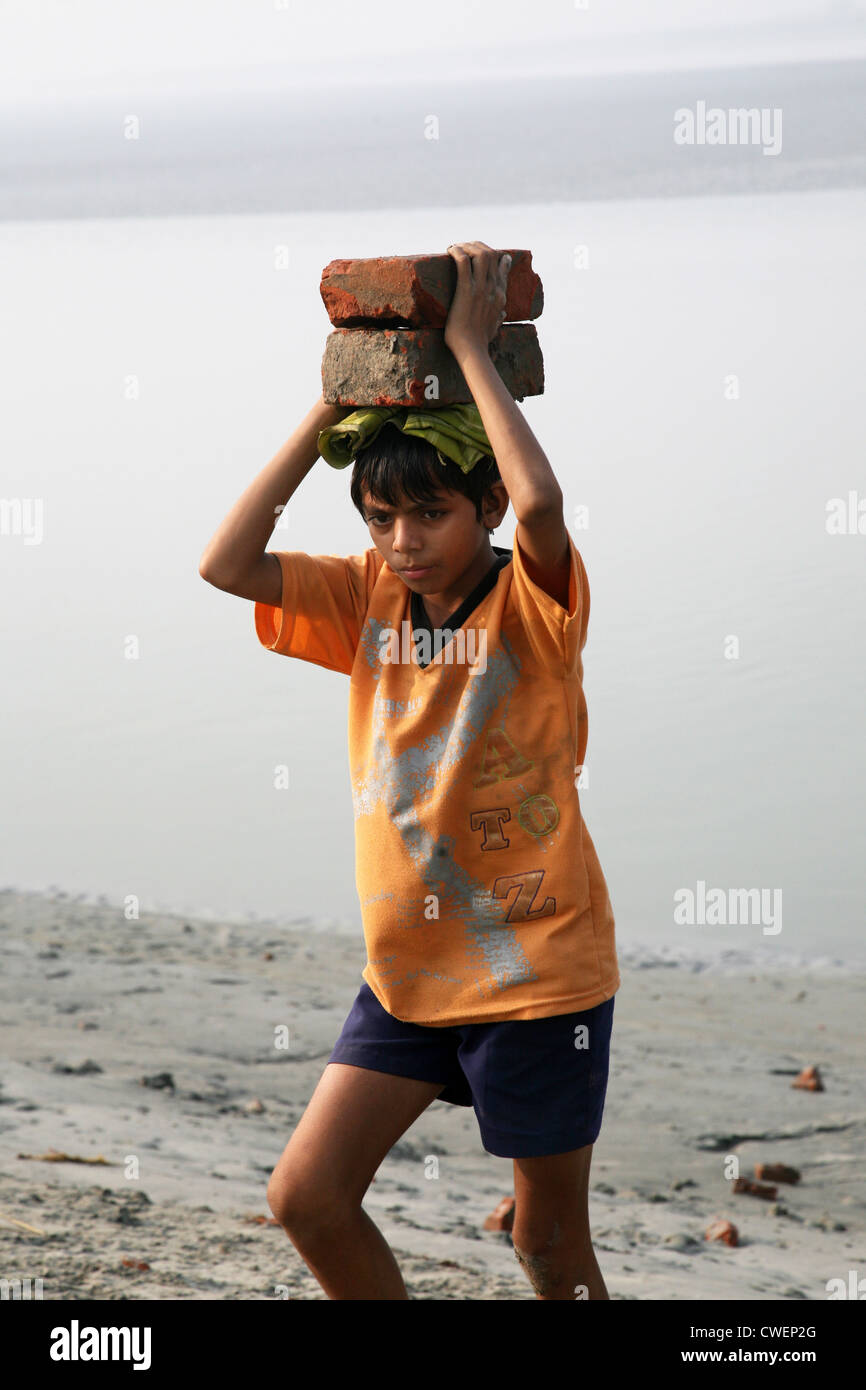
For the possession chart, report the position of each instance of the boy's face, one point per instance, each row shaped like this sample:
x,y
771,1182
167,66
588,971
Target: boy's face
x,y
443,538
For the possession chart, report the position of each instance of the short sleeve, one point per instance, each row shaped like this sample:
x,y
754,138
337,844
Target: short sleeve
x,y
557,636
324,603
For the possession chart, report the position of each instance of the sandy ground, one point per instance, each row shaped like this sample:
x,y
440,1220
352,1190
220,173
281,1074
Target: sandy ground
x,y
702,1063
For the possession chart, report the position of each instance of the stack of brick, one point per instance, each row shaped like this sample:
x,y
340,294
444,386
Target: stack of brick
x,y
388,344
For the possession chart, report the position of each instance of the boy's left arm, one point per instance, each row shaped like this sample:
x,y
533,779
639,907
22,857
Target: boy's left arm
x,y
474,318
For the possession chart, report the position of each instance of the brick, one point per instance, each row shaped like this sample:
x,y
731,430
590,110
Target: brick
x,y
777,1172
391,366
502,1218
756,1189
415,291
808,1080
725,1231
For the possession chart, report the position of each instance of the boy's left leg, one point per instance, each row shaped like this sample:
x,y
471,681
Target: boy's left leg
x,y
551,1235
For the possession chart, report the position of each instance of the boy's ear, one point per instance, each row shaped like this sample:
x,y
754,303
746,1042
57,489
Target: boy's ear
x,y
494,505
496,499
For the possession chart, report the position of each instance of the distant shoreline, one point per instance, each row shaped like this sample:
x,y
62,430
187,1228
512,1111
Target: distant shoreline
x,y
633,955
586,138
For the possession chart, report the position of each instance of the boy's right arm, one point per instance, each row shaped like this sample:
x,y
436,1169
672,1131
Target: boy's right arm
x,y
235,558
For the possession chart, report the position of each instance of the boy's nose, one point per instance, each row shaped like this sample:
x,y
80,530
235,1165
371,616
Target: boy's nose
x,y
405,539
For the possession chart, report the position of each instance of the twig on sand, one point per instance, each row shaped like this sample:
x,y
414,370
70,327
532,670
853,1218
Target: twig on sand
x,y
23,1224
58,1156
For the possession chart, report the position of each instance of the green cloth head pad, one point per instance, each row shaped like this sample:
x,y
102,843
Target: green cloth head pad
x,y
455,431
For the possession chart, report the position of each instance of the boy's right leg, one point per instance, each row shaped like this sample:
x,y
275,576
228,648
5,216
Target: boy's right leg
x,y
354,1118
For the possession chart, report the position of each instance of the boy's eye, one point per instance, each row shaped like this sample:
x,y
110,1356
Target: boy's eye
x,y
378,517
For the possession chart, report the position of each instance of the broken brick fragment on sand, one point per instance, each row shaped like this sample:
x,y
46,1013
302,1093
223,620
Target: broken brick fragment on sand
x,y
808,1080
724,1231
777,1172
756,1189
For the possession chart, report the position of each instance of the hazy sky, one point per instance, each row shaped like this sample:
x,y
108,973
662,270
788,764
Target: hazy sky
x,y
49,44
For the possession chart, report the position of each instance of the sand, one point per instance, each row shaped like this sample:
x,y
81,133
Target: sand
x,y
702,1062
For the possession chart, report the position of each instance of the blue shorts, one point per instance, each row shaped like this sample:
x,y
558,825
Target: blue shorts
x,y
536,1086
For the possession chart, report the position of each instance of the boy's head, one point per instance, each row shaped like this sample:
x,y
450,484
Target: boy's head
x,y
424,513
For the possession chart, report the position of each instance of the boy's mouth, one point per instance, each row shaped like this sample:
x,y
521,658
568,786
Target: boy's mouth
x,y
416,572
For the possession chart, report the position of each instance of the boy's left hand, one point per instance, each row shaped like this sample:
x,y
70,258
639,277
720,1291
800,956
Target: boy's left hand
x,y
477,310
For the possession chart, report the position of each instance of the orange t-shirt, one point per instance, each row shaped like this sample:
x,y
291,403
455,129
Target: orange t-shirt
x,y
481,893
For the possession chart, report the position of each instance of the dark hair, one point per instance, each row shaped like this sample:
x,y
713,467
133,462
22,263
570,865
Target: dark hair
x,y
396,462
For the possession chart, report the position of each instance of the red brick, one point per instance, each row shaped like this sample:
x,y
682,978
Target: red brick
x,y
776,1172
415,291
808,1080
756,1189
390,366
725,1231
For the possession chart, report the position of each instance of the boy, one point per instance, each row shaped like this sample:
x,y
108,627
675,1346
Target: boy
x,y
491,962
